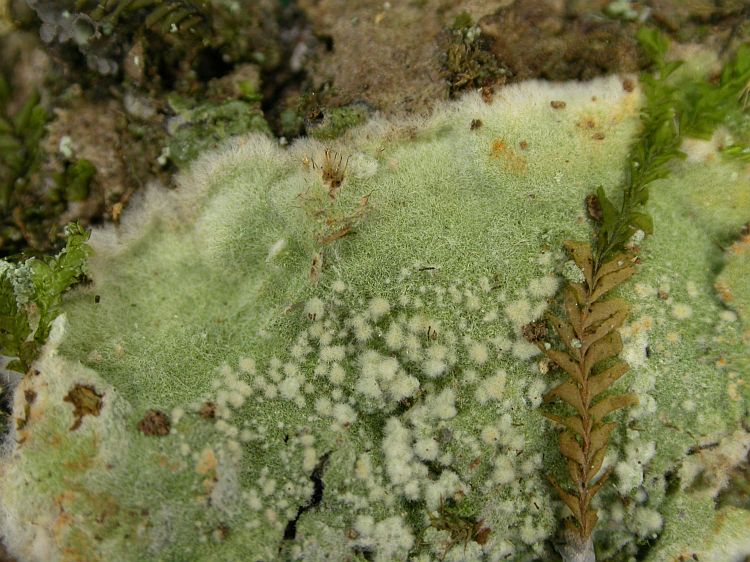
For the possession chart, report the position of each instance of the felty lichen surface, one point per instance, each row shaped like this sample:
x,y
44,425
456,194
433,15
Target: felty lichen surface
x,y
270,362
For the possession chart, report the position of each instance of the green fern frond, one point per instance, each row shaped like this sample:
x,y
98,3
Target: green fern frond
x,y
674,109
34,289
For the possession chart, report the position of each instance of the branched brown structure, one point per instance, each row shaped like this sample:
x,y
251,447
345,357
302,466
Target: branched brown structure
x,y
588,330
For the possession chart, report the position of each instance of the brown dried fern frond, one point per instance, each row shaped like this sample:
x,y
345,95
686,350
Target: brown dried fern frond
x,y
588,330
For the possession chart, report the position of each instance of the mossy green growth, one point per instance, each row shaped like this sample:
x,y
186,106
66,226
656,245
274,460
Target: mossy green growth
x,y
20,155
29,208
305,360
197,128
20,131
724,100
468,63
75,181
336,120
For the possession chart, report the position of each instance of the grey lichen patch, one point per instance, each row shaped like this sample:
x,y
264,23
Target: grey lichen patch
x,y
354,406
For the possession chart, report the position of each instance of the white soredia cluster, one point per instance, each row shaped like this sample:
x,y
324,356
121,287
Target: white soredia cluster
x,y
287,358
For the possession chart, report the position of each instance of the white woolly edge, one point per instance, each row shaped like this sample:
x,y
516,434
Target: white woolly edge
x,y
179,205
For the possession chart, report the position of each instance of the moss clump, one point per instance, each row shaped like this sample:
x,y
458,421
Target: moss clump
x,y
468,61
74,182
336,120
197,127
20,134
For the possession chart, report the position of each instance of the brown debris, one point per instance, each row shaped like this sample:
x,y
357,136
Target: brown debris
x,y
535,331
557,104
594,207
512,161
586,123
467,62
369,57
331,171
340,233
316,267
133,65
487,93
475,124
207,411
29,395
545,39
154,423
221,532
461,528
86,402
431,333
724,291
482,535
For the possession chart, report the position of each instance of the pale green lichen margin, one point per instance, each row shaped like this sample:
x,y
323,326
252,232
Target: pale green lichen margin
x,y
205,295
